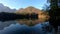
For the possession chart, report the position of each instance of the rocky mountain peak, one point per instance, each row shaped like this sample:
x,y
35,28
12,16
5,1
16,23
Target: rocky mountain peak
x,y
29,9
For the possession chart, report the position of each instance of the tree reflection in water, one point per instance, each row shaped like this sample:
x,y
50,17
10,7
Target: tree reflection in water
x,y
24,29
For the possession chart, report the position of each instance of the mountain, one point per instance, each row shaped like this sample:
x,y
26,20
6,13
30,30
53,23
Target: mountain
x,y
6,9
42,16
29,9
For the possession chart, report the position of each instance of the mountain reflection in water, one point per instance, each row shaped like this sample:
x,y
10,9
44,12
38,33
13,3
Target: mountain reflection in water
x,y
24,29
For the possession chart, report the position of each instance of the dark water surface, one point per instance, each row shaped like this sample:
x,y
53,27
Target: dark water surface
x,y
16,28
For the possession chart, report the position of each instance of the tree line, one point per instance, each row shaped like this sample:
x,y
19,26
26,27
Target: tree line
x,y
4,16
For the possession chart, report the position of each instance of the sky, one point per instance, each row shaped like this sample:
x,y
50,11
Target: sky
x,y
23,3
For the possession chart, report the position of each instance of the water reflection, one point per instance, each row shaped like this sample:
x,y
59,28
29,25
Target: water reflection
x,y
6,24
24,29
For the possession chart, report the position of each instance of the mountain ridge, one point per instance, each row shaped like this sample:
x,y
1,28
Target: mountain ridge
x,y
29,9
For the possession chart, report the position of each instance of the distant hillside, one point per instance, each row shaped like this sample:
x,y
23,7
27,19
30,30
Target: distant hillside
x,y
29,9
6,9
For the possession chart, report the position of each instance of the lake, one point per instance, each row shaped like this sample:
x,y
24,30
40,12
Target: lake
x,y
12,27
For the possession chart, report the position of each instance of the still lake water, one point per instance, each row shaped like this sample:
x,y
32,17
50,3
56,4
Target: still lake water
x,y
12,27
